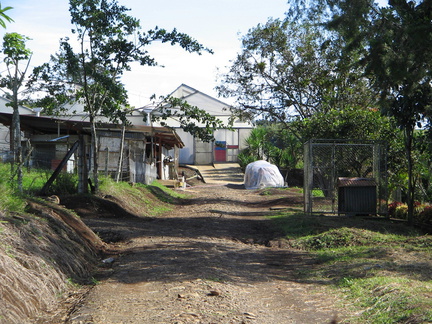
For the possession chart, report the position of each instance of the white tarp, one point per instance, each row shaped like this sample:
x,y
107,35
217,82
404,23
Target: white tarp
x,y
262,174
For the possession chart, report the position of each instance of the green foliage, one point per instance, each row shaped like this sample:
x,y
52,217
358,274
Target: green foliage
x,y
275,144
385,38
342,237
244,158
15,51
291,69
109,40
170,192
65,183
422,212
422,165
11,200
109,185
349,123
34,180
142,198
381,267
389,300
295,225
192,120
4,16
14,48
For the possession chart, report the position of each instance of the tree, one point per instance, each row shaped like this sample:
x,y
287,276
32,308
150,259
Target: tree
x,y
4,17
15,51
396,44
109,41
273,143
290,70
357,124
349,123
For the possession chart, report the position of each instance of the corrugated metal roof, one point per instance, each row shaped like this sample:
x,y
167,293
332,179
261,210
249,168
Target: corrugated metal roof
x,y
356,182
50,125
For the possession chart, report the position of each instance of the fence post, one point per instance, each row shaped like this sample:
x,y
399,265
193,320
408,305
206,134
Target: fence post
x,y
106,161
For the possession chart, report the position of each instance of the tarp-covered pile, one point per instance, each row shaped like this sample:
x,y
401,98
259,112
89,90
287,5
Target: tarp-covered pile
x,y
262,174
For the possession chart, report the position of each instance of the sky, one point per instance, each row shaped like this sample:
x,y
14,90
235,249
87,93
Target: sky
x,y
217,24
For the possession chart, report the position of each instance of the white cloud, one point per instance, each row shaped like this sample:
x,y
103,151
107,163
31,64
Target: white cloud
x,y
216,24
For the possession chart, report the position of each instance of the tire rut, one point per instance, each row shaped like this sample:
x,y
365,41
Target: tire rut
x,y
208,261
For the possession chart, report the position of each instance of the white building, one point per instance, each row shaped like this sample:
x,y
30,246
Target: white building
x,y
4,130
228,143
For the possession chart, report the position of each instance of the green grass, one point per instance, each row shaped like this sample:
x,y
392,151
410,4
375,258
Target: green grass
x,y
167,191
317,193
295,225
390,300
11,200
152,197
383,268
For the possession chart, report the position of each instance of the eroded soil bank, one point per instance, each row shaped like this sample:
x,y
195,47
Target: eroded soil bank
x,y
213,259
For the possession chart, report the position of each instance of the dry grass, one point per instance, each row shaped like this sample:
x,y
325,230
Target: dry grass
x,y
383,266
39,258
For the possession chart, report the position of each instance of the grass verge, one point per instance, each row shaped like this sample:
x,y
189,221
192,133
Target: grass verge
x,y
383,267
148,200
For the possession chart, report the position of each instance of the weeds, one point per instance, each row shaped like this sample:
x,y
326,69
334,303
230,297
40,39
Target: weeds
x,y
383,267
11,200
390,300
139,197
172,193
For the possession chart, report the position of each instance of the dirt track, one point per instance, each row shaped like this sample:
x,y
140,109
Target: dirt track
x,y
213,259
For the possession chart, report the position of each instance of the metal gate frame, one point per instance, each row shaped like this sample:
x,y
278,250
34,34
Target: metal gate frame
x,y
327,160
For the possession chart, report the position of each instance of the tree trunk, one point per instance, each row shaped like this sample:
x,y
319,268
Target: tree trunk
x,y
120,162
82,166
16,131
94,149
409,132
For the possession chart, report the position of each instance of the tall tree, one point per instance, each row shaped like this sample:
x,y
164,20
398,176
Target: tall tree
x,y
15,51
396,42
292,69
109,41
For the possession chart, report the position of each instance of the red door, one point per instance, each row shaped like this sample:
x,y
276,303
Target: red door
x,y
220,151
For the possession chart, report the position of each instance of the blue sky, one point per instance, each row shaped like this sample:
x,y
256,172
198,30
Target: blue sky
x,y
216,24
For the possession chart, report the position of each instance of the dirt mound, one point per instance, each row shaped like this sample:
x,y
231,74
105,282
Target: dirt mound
x,y
42,255
93,206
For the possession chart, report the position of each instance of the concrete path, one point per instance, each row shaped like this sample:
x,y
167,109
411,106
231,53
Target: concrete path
x,y
221,173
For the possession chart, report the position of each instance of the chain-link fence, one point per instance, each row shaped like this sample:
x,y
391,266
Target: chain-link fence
x,y
327,161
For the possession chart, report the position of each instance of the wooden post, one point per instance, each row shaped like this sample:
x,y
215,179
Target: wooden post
x,y
106,161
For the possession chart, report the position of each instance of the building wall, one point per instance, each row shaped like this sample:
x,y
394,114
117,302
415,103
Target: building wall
x,y
4,138
4,130
196,152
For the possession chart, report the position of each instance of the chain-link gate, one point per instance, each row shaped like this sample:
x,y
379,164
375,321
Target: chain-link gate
x,y
326,161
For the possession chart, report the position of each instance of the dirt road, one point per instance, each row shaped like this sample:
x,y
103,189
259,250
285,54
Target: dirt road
x,y
212,259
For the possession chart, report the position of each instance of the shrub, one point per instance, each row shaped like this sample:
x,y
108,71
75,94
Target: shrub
x,y
65,183
425,215
392,208
244,158
422,212
401,212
